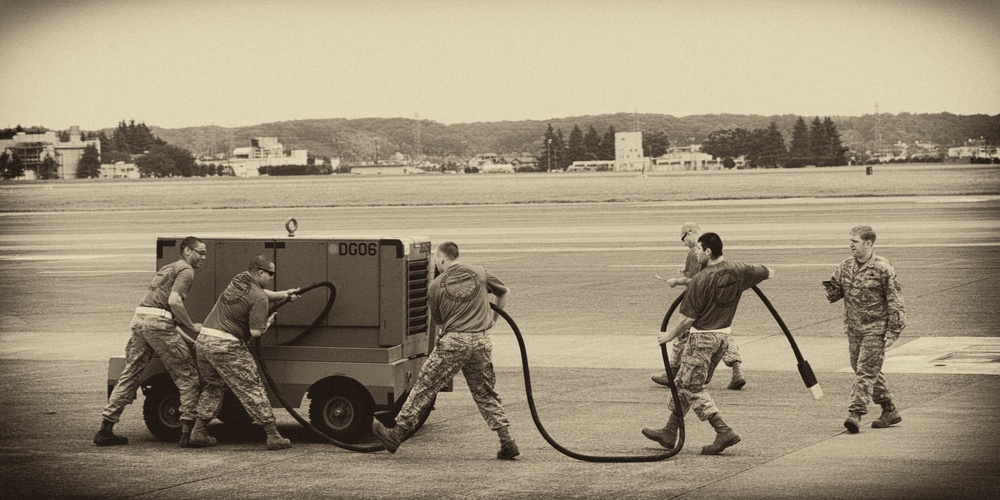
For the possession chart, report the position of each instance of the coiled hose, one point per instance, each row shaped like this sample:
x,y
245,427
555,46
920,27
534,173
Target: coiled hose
x,y
592,458
360,448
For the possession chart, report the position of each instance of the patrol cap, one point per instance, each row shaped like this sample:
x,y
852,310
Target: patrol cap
x,y
687,228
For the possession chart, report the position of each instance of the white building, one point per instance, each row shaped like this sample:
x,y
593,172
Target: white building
x,y
263,152
628,152
119,170
689,158
32,149
385,168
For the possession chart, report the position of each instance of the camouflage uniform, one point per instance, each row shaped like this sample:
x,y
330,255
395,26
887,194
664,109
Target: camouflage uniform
x,y
458,301
225,360
702,353
873,312
153,334
732,353
228,362
470,353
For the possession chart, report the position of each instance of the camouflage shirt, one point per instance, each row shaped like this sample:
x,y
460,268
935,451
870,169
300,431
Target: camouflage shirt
x,y
873,300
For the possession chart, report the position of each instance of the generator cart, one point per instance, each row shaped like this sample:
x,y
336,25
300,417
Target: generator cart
x,y
356,362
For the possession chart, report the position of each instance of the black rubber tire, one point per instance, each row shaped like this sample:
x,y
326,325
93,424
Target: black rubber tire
x,y
161,412
343,411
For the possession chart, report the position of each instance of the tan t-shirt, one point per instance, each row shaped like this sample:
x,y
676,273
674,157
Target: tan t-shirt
x,y
241,307
714,293
174,277
459,298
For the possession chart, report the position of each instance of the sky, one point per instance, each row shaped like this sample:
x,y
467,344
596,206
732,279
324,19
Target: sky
x,y
182,63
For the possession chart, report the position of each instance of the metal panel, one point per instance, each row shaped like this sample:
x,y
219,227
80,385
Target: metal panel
x,y
299,263
393,300
354,270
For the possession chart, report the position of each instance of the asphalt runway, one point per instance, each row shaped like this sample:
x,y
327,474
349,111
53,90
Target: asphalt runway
x,y
584,295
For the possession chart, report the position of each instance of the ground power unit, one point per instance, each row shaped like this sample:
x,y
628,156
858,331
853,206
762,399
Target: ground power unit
x,y
357,361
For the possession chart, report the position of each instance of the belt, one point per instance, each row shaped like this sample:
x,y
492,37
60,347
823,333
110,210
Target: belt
x,y
727,330
155,311
471,333
212,332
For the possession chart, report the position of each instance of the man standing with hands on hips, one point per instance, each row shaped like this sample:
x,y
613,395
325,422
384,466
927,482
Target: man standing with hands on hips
x,y
154,331
873,320
707,310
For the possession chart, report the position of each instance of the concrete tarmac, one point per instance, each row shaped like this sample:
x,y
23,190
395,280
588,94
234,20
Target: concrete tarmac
x,y
585,300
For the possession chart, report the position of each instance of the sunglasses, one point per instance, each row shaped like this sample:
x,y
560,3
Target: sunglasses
x,y
269,273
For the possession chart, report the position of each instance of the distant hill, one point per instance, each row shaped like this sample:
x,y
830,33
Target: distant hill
x,y
358,139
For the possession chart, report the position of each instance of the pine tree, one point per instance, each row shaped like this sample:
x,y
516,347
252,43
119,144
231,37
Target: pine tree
x,y
835,148
575,150
800,147
818,142
90,163
547,154
772,147
608,145
48,169
592,144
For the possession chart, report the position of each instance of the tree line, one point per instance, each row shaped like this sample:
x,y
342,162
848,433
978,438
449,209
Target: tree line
x,y
818,144
559,152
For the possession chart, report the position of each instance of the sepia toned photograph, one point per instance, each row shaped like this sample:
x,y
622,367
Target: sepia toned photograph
x,y
451,249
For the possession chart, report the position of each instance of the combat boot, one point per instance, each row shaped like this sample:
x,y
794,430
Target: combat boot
x,y
508,448
185,441
106,436
888,417
724,437
853,423
663,380
199,438
666,436
390,438
274,440
738,381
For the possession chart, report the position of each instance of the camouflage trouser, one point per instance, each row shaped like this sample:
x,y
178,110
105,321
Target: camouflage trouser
x,y
225,362
153,334
470,353
731,356
702,353
867,354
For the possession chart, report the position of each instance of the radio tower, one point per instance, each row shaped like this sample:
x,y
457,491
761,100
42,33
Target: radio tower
x,y
878,132
416,136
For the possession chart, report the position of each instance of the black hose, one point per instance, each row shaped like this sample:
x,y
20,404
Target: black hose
x,y
274,387
805,371
590,458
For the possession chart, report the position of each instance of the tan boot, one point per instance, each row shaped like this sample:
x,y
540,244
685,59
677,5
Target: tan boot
x,y
724,437
199,437
186,426
888,417
390,438
853,423
106,436
737,381
274,440
666,436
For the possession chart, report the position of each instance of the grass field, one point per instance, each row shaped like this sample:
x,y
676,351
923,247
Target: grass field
x,y
350,190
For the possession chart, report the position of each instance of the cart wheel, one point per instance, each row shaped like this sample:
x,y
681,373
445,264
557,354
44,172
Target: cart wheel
x,y
342,410
161,411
